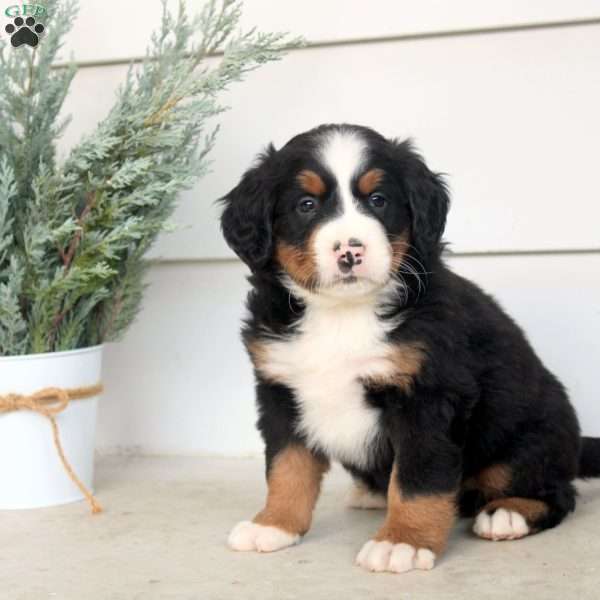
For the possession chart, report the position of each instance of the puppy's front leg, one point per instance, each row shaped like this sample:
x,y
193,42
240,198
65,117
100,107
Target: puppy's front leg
x,y
294,480
421,506
414,533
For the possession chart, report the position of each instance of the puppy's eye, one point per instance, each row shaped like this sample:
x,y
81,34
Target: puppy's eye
x,y
307,205
377,201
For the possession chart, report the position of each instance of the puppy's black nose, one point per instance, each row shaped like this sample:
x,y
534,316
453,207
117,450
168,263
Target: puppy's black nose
x,y
348,254
346,262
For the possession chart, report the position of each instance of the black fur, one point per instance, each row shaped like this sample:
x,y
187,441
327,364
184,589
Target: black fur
x,y
427,196
482,398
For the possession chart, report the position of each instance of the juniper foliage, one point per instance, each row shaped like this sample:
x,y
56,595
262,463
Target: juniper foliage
x,y
73,236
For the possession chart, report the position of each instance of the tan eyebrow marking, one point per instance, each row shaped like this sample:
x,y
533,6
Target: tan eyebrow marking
x,y
311,182
369,181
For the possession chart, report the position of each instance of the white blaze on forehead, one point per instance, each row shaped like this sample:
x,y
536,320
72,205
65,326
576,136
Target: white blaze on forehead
x,y
343,153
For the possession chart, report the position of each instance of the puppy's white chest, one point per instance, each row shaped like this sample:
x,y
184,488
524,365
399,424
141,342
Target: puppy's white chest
x,y
324,364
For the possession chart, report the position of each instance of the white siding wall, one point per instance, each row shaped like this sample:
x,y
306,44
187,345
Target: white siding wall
x,y
503,96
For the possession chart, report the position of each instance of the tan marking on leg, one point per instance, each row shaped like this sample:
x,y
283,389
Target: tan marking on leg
x,y
421,521
531,510
493,481
311,182
405,362
294,482
369,181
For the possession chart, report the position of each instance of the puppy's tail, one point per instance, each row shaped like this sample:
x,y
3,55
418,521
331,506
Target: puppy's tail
x,y
589,459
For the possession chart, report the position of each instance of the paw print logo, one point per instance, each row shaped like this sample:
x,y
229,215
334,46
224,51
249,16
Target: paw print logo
x,y
24,31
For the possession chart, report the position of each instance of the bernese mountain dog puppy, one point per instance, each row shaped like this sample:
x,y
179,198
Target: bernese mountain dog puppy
x,y
369,351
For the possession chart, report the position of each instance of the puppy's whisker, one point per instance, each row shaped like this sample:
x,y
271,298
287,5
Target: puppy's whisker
x,y
290,303
414,259
412,271
403,287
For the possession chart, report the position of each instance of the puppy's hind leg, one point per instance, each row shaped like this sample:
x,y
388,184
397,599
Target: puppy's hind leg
x,y
515,517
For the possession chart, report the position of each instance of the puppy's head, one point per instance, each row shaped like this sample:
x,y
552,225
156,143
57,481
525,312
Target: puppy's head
x,y
339,211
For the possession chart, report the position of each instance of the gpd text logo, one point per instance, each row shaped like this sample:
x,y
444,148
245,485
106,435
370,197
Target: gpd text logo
x,y
26,10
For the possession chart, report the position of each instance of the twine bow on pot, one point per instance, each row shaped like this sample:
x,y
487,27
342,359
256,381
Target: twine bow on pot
x,y
49,402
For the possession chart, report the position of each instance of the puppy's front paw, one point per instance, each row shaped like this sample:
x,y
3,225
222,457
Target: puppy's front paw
x,y
247,536
396,558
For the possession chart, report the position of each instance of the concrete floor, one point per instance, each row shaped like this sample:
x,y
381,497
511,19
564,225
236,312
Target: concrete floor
x,y
162,536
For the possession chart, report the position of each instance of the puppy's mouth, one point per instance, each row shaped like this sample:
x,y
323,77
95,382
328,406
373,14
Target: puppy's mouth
x,y
351,281
344,280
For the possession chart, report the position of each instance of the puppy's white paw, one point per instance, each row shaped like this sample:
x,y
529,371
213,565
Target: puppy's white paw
x,y
360,496
501,525
396,558
247,536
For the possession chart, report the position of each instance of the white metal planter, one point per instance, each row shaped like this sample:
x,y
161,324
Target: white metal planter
x,y
32,474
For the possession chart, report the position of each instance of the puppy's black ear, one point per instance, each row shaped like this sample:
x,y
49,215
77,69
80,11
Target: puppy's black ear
x,y
428,198
247,220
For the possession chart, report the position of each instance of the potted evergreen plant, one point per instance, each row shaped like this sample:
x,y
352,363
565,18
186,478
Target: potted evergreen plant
x,y
73,235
